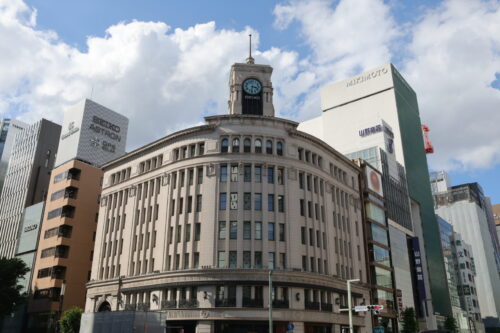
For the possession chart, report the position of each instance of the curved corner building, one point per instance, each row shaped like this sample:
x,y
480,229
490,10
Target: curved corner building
x,y
191,225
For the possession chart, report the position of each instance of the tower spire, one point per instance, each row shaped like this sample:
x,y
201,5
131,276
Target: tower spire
x,y
250,60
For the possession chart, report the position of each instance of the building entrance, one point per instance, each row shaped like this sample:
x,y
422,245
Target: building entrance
x,y
186,326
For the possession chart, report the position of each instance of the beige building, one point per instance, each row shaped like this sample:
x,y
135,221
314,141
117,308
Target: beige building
x,y
191,225
66,243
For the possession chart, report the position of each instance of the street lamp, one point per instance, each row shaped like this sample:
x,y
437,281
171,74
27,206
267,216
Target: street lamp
x,y
349,302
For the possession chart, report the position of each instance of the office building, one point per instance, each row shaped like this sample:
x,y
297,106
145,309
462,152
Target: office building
x,y
27,178
27,241
8,130
460,274
374,116
464,207
92,135
187,238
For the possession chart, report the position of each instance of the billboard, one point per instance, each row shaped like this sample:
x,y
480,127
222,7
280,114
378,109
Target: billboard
x,y
374,180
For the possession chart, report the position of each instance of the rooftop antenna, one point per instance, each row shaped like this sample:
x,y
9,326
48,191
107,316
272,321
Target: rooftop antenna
x,y
250,60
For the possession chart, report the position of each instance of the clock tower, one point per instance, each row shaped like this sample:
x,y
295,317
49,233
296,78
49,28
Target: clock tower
x,y
251,89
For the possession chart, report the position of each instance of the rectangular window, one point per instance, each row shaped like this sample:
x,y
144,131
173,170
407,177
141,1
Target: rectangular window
x,y
247,173
258,174
281,203
232,259
200,176
303,235
201,148
222,229
281,176
316,211
324,240
258,230
181,205
313,269
304,263
282,232
271,260
197,231
247,259
270,175
181,178
186,260
270,231
179,234
234,173
270,202
258,201
198,202
222,201
233,230
247,201
311,237
318,239
302,208
188,232
310,209
189,206
190,176
196,260
247,230
283,260
308,182
301,180
257,259
221,262
234,201
223,173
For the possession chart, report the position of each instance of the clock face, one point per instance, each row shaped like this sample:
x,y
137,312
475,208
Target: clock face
x,y
252,86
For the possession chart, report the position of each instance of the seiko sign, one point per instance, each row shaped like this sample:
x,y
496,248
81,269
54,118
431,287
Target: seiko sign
x,y
366,77
71,130
105,128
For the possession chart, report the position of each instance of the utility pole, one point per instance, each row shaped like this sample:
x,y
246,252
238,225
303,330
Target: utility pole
x,y
270,301
349,303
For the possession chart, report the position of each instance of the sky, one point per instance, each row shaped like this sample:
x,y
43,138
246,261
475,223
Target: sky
x,y
165,63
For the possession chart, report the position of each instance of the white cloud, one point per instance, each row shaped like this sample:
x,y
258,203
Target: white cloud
x,y
455,53
165,79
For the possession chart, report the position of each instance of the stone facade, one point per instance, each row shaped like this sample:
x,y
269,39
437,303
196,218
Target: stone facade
x,y
191,225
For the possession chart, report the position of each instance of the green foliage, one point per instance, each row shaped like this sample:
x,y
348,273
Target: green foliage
x,y
410,324
451,324
11,270
70,320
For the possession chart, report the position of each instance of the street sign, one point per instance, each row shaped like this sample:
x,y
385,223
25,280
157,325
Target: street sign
x,y
378,329
290,327
360,308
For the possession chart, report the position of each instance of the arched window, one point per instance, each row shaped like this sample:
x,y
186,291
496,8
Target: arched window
x,y
247,145
104,307
269,147
236,145
224,145
258,145
279,148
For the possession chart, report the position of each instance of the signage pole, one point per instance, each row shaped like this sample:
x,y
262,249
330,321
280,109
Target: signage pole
x,y
270,301
349,303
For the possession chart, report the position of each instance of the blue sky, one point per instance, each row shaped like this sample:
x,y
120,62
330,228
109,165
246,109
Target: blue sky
x,y
447,50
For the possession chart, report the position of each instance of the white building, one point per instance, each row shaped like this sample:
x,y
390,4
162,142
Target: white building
x,y
8,130
374,116
187,238
92,133
464,207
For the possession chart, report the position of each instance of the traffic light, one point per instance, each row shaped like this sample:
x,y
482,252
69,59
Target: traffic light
x,y
375,309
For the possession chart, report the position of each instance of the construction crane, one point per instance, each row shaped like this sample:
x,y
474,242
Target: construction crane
x,y
429,149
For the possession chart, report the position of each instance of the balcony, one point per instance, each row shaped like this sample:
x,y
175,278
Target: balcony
x,y
143,306
326,307
281,304
252,303
225,303
312,305
188,303
169,304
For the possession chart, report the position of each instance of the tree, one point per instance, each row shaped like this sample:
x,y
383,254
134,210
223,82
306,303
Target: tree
x,y
451,324
11,270
410,324
70,320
